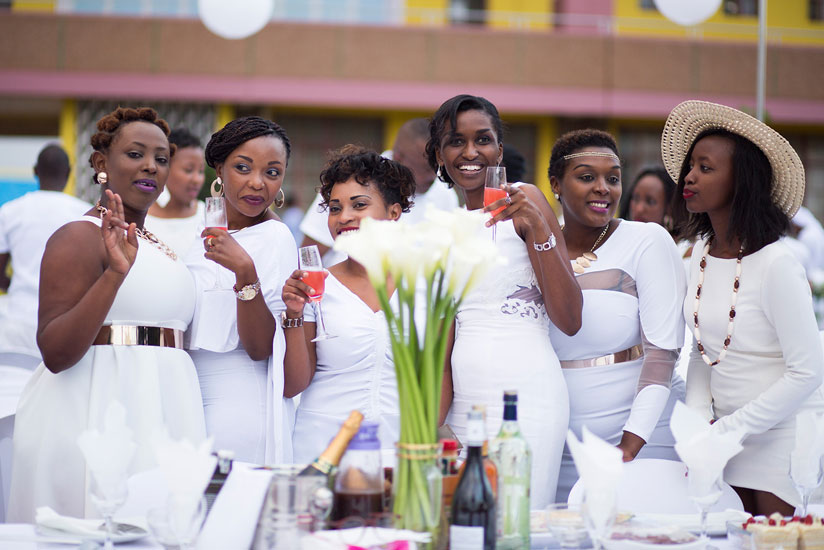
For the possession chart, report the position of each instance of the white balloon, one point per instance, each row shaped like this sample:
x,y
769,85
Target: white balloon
x,y
687,12
235,19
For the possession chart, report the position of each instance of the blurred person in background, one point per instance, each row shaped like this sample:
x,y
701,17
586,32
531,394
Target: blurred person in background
x,y
114,302
177,222
409,150
515,164
26,224
235,340
648,198
354,370
292,216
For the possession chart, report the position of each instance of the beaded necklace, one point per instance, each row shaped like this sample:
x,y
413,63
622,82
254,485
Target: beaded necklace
x,y
144,234
735,286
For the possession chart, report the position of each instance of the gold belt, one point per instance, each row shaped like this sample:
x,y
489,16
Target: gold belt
x,y
622,356
132,335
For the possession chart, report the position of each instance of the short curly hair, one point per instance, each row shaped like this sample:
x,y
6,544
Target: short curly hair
x,y
183,138
238,132
574,140
393,180
109,126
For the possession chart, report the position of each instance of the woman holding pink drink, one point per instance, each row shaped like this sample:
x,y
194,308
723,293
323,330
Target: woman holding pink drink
x,y
341,359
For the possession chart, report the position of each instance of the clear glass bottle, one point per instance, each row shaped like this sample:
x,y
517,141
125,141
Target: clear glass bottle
x,y
359,484
513,458
222,469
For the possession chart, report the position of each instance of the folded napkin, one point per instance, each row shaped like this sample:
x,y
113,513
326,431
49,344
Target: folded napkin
x,y
364,539
805,459
234,515
46,517
703,448
187,470
109,453
599,466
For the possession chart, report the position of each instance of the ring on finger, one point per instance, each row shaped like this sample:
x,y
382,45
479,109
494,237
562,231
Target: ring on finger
x,y
508,200
209,242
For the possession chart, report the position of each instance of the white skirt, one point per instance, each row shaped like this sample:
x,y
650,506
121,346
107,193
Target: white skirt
x,y
158,388
600,398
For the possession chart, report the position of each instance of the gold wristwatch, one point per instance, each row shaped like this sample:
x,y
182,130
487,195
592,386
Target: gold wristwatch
x,y
248,292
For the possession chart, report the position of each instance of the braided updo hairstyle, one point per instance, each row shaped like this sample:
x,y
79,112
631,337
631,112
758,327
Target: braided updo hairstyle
x,y
110,125
238,132
571,142
393,180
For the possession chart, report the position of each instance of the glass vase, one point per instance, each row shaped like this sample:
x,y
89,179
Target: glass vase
x,y
417,490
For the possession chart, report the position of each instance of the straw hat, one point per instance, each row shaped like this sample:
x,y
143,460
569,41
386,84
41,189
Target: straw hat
x,y
690,118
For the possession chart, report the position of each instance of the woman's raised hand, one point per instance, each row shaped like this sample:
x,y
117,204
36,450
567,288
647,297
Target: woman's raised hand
x,y
223,249
295,293
119,237
516,205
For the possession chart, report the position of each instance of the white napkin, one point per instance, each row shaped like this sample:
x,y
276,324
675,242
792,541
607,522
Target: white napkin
x,y
46,517
377,537
187,470
234,515
599,466
704,449
109,454
805,459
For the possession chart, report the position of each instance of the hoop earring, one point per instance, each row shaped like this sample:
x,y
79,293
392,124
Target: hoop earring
x,y
101,178
217,187
281,200
439,172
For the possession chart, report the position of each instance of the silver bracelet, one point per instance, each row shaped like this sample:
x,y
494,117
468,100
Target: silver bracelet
x,y
548,245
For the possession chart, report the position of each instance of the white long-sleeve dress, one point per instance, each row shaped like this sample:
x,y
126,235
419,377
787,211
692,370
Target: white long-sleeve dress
x,y
633,295
243,399
773,367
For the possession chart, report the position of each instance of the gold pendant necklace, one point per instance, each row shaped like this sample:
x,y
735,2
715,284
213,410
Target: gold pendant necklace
x,y
144,234
585,260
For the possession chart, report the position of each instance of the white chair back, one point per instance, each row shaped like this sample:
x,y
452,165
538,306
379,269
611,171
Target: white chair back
x,y
656,486
6,435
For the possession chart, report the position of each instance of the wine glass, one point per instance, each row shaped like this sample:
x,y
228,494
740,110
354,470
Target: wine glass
x,y
806,480
309,261
567,525
177,526
704,498
495,176
216,219
598,508
108,496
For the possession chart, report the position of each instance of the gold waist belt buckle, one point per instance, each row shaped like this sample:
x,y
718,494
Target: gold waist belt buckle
x,y
622,356
132,335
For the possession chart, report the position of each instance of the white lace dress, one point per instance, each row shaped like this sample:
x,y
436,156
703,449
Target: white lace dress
x,y
502,343
633,295
157,386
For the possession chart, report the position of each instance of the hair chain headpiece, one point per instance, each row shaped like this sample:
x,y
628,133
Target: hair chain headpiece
x,y
592,154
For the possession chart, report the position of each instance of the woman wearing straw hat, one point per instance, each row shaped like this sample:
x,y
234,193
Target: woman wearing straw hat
x,y
756,359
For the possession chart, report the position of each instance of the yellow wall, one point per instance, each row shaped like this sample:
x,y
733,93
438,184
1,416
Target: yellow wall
x,y
427,12
519,14
68,137
33,5
787,22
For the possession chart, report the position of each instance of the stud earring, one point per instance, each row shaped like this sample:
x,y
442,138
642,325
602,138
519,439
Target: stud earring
x,y
439,172
101,178
217,187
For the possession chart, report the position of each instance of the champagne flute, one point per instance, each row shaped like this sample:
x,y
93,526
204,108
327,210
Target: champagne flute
x,y
495,176
216,219
806,480
309,258
108,496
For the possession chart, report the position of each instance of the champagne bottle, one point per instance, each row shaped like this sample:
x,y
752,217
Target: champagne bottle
x,y
473,505
511,453
327,462
489,464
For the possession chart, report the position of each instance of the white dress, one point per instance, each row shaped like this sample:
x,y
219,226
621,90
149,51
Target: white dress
x,y
26,224
633,294
181,234
502,343
354,371
157,386
773,367
243,399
